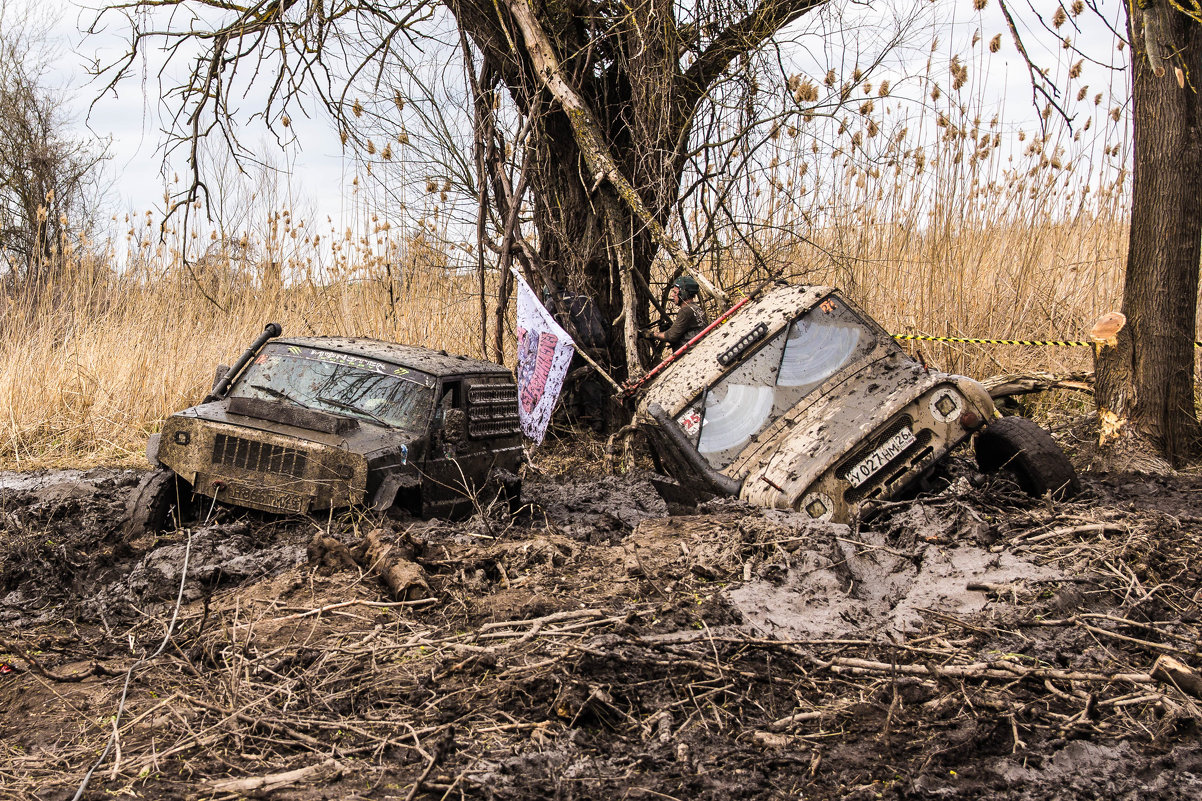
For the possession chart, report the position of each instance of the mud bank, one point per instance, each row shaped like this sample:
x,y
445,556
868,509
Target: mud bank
x,y
602,642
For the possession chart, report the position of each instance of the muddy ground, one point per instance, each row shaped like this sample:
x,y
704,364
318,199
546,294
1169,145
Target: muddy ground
x,y
601,643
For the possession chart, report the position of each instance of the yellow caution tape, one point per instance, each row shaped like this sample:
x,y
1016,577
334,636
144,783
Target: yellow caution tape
x,y
1054,342
1059,343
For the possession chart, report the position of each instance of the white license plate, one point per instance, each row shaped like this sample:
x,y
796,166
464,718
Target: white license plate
x,y
276,501
865,469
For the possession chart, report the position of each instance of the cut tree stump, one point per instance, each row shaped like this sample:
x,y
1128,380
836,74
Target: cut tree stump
x,y
1104,336
1178,674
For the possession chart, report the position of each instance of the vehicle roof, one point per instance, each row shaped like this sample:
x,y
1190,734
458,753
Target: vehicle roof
x,y
683,380
434,362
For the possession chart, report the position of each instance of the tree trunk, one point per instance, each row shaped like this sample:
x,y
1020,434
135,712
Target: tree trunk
x,y
1147,379
608,142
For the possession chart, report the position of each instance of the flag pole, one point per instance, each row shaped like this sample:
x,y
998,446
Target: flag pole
x,y
597,367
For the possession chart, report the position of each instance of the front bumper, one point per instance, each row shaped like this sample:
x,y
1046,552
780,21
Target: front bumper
x,y
838,476
259,469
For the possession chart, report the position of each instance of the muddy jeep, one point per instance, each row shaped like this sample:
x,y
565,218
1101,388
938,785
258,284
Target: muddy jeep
x,y
799,400
309,424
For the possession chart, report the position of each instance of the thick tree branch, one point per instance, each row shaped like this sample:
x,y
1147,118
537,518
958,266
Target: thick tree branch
x,y
740,38
588,135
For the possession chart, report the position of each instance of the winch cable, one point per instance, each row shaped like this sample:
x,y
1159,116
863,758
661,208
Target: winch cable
x,y
129,673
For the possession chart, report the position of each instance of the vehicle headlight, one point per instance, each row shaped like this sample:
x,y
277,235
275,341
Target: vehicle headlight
x,y
946,405
818,506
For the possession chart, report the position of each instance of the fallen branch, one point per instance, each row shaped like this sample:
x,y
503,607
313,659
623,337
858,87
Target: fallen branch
x,y
1001,670
95,669
342,605
1073,531
329,769
1003,386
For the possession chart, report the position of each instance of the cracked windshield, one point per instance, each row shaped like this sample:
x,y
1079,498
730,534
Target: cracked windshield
x,y
774,379
335,382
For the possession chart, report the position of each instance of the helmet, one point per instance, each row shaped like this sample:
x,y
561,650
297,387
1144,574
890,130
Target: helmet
x,y
688,286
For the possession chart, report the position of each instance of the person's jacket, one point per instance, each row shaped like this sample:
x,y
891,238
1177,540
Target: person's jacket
x,y
689,322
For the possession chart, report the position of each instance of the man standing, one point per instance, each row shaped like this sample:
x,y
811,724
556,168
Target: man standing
x,y
690,319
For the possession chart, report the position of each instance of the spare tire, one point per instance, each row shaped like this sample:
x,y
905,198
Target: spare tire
x,y
1018,445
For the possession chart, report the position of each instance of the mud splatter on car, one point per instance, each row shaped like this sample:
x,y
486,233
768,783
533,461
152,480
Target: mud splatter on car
x,y
305,425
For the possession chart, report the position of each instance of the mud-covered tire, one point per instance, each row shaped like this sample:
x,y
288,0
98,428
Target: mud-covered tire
x,y
149,508
1021,447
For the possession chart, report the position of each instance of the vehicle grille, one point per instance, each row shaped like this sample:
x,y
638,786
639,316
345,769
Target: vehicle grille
x,y
260,457
902,463
492,411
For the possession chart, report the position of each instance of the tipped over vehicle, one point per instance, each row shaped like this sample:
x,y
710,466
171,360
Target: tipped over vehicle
x,y
310,424
799,400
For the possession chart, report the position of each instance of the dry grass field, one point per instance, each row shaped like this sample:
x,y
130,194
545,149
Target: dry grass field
x,y
92,367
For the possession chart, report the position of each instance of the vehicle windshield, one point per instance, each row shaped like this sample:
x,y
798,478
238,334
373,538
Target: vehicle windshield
x,y
774,378
339,383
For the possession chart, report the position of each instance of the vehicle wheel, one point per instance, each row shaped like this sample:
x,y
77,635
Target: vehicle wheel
x,y
149,508
1027,451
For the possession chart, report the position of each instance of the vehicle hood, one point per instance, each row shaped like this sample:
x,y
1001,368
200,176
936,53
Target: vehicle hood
x,y
357,436
688,376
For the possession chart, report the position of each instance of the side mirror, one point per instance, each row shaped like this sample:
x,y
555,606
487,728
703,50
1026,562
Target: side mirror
x,y
222,371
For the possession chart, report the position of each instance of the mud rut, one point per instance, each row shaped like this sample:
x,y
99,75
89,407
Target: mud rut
x,y
602,644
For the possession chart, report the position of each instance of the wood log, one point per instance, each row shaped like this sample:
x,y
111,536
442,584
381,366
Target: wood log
x,y
275,781
403,577
1178,674
1009,384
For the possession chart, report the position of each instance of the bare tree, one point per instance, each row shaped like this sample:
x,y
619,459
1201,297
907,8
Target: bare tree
x,y
606,97
596,108
47,177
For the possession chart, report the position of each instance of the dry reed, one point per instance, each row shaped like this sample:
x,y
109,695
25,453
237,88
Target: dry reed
x,y
930,223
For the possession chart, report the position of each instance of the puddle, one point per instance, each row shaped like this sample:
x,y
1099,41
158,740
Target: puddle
x,y
858,587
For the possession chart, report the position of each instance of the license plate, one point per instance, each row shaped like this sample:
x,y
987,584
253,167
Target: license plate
x,y
265,499
868,466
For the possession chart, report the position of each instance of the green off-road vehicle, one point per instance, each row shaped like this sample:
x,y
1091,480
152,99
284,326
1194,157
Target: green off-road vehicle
x,y
798,400
310,424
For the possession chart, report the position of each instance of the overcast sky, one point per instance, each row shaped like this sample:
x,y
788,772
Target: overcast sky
x,y
321,175
131,120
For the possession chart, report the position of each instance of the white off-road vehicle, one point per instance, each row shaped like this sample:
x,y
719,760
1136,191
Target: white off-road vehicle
x,y
799,400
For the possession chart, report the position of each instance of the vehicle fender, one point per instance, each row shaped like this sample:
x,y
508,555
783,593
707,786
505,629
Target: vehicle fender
x,y
393,483
718,482
977,395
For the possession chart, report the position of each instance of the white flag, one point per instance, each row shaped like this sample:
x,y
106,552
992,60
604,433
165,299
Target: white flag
x,y
544,352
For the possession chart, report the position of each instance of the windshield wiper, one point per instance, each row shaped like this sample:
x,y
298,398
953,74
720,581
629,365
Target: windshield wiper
x,y
278,393
350,407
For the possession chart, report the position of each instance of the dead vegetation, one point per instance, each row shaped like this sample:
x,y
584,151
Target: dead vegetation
x,y
596,645
130,330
